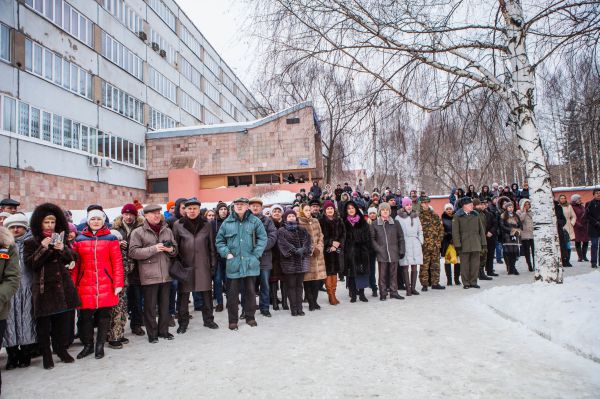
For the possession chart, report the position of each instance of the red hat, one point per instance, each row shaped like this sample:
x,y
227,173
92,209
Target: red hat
x,y
129,208
328,204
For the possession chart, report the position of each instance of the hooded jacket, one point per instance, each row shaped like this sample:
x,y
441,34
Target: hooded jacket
x,y
9,270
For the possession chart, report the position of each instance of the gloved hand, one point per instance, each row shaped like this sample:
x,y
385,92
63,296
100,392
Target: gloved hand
x,y
118,290
70,265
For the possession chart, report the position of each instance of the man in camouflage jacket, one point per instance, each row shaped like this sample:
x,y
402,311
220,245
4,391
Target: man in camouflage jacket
x,y
433,232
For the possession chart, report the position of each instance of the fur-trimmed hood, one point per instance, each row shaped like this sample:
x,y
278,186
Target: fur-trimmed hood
x,y
6,239
118,222
43,210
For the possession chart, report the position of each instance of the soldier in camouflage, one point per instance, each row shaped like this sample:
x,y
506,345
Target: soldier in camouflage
x,y
433,232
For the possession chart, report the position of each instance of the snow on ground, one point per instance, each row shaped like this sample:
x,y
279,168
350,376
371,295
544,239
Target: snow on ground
x,y
441,344
563,313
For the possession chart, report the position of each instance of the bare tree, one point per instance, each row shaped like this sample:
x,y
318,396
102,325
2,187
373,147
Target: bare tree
x,y
432,53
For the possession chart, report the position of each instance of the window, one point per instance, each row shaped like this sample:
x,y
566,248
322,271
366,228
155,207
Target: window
x,y
228,107
9,122
46,126
272,178
235,181
163,12
24,119
188,38
67,137
162,45
122,56
122,103
4,42
56,130
84,138
158,185
211,64
158,120
73,22
227,82
35,123
211,91
128,17
210,119
162,85
52,67
190,105
191,73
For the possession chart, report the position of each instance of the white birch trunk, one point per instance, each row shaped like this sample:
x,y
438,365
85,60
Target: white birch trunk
x,y
522,90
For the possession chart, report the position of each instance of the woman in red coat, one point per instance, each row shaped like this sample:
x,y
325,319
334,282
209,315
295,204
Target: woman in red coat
x,y
98,276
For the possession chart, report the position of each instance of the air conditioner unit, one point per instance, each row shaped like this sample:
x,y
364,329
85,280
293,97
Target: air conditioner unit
x,y
95,161
163,53
107,163
142,35
155,46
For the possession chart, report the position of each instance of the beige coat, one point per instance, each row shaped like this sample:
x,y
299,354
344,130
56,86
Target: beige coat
x,y
571,219
317,269
153,265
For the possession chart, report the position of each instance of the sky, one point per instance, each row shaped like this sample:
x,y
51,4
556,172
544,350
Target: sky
x,y
222,23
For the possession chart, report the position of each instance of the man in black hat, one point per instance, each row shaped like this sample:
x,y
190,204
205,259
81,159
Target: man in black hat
x,y
315,208
9,205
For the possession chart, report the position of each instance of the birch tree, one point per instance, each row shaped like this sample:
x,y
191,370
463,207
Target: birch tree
x,y
432,53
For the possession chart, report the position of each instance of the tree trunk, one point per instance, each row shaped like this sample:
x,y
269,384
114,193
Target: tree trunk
x,y
522,100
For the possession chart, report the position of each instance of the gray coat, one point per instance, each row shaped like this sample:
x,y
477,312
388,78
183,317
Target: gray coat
x,y
266,260
197,251
20,324
413,238
153,266
388,240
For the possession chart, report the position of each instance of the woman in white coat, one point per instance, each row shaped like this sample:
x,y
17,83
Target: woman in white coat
x,y
413,241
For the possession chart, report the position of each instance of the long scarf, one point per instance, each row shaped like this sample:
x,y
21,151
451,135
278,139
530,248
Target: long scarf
x,y
353,219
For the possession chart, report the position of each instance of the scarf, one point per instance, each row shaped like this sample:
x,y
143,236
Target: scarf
x,y
353,219
155,227
47,233
291,226
193,225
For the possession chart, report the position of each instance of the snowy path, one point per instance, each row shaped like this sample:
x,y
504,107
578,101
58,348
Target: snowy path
x,y
439,344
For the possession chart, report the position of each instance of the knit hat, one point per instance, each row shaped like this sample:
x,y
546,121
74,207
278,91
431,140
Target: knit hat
x,y
5,214
372,210
328,204
72,228
448,206
390,197
130,208
276,206
18,219
507,204
574,198
96,213
406,201
221,205
375,193
170,204
287,213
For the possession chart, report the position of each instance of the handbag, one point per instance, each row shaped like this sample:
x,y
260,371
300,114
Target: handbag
x,y
179,272
450,256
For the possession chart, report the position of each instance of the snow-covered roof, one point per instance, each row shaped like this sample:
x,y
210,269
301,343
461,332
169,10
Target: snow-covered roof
x,y
224,127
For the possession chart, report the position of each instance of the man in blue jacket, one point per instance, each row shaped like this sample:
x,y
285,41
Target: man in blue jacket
x,y
241,240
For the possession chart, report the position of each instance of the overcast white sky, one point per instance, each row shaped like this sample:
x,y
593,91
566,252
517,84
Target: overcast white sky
x,y
221,22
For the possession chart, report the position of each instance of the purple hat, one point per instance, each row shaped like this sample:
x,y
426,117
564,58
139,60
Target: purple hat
x,y
328,204
406,201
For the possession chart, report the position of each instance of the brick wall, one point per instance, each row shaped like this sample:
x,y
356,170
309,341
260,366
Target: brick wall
x,y
273,146
33,188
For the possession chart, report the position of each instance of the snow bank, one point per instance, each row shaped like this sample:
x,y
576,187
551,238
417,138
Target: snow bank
x,y
563,313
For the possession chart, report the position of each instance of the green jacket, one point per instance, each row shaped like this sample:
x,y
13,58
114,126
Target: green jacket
x,y
10,274
468,233
246,240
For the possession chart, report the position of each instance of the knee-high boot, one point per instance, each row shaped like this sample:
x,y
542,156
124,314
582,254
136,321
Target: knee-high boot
x,y
329,290
273,294
401,279
448,269
284,297
406,279
413,281
457,274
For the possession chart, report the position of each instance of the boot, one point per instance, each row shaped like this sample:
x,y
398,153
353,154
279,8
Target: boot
x,y
329,290
482,275
308,292
274,300
513,270
457,274
25,358
334,289
315,295
374,292
103,324
64,356
448,269
13,353
406,280
284,298
86,351
401,279
361,295
47,360
413,282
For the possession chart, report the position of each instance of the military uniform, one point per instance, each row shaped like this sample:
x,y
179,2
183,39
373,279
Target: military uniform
x,y
433,232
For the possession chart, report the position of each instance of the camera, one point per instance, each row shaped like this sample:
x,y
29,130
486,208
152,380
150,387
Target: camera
x,y
56,238
167,243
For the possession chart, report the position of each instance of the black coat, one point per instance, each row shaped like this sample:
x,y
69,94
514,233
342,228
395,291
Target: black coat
x,y
447,239
276,273
491,223
357,248
333,230
592,214
287,241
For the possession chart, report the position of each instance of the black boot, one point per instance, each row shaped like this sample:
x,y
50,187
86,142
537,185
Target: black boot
x,y
103,324
25,356
513,270
457,274
482,275
273,293
413,282
374,292
361,295
284,298
86,351
309,294
47,360
14,355
448,269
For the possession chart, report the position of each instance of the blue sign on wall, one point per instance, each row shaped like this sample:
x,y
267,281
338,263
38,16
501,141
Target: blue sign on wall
x,y
303,162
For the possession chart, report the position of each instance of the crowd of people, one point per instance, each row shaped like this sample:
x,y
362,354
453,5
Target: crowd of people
x,y
63,282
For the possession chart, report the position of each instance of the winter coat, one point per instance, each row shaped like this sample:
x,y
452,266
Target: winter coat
x,y
333,230
287,241
592,214
132,272
447,239
468,233
276,272
99,268
246,240
316,191
196,250
571,218
266,260
9,271
357,248
387,239
526,222
433,232
317,261
153,266
581,226
53,288
413,238
511,228
491,222
20,324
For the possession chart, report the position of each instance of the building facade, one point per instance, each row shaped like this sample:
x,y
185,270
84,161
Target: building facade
x,y
83,82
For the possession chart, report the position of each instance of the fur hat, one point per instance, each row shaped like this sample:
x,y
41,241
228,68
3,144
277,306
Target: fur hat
x,y
287,213
382,206
18,219
276,206
406,201
43,210
503,200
